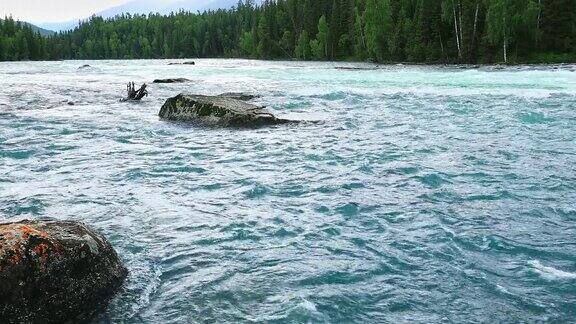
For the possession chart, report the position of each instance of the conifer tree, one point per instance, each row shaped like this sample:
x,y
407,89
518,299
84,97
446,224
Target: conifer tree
x,y
377,28
320,47
303,50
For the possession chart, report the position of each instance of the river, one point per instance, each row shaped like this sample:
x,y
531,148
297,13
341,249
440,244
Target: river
x,y
424,193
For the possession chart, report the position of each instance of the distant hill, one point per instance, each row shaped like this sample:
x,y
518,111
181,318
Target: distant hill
x,y
163,7
60,26
167,6
42,31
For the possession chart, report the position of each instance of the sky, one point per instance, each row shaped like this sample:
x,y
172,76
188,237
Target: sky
x,y
54,10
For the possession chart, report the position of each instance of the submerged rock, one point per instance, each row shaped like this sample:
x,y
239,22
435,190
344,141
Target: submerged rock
x,y
239,96
183,63
55,271
217,110
356,68
85,66
176,80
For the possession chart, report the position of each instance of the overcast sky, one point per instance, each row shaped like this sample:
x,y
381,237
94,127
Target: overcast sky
x,y
54,10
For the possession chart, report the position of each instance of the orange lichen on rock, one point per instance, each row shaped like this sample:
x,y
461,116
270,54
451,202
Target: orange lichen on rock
x,y
42,252
28,231
19,240
10,243
40,249
14,259
49,272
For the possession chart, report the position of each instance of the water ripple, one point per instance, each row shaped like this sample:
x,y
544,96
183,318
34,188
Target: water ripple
x,y
427,194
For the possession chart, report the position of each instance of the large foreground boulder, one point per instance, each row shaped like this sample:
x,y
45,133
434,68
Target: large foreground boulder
x,y
55,272
218,111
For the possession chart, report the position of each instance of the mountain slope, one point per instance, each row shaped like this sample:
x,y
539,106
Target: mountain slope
x,y
59,26
163,7
36,29
42,31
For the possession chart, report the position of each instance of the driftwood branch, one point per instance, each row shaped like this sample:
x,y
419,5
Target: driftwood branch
x,y
133,94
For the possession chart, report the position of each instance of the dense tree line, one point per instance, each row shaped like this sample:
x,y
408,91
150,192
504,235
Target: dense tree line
x,y
19,42
374,30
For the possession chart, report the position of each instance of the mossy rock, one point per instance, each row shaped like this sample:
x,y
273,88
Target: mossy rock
x,y
218,111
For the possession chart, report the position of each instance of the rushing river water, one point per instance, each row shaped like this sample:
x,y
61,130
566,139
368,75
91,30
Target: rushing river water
x,y
425,194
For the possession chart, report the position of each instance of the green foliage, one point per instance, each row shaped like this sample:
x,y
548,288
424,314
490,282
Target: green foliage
x,y
511,22
320,44
18,42
377,28
247,45
302,50
451,31
359,35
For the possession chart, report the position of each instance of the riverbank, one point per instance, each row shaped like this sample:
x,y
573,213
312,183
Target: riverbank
x,y
561,59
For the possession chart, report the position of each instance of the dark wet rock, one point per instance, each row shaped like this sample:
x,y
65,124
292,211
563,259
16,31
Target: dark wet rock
x,y
239,96
464,66
70,103
176,80
55,272
218,111
85,66
356,68
183,63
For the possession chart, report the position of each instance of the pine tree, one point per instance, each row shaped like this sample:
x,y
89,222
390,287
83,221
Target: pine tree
x,y
377,28
2,50
558,25
359,37
302,50
320,47
247,46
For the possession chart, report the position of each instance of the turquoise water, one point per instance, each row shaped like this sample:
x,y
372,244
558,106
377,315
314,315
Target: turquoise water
x,y
425,194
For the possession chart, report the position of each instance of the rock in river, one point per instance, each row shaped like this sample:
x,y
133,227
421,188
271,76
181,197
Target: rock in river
x,y
239,96
55,271
183,63
218,110
175,80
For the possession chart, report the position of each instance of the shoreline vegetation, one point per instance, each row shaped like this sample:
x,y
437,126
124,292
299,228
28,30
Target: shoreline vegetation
x,y
416,32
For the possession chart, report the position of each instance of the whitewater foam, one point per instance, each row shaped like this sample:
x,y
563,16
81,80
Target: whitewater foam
x,y
550,273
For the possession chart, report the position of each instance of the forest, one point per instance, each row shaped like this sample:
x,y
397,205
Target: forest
x,y
419,31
